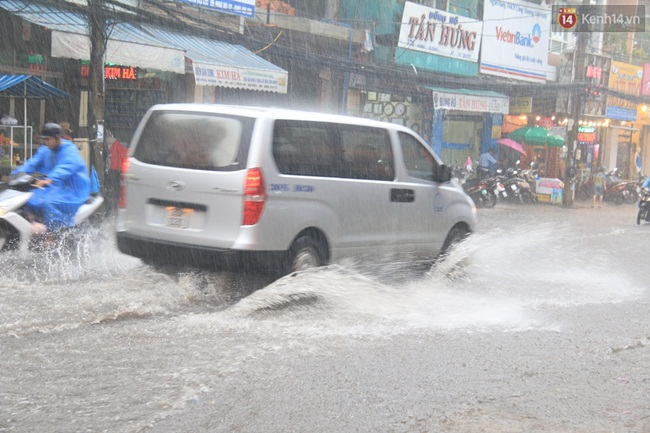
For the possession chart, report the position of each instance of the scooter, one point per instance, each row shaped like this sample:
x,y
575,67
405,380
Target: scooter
x,y
644,206
16,229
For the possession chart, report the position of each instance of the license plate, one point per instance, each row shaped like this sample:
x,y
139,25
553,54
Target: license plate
x,y
513,187
505,194
177,217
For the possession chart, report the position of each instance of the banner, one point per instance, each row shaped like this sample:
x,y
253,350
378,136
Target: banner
x,y
239,78
440,32
462,102
623,78
515,40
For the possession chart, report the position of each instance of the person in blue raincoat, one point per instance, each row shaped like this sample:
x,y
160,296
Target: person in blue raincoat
x,y
66,185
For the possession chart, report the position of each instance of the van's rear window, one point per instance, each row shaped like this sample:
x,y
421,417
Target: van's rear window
x,y
199,141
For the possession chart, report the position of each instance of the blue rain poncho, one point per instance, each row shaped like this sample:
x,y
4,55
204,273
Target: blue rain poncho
x,y
57,203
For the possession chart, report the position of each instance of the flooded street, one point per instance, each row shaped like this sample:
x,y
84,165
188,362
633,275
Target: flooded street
x,y
539,322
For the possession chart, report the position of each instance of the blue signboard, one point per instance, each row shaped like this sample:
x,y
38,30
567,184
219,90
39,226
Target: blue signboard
x,y
620,113
245,8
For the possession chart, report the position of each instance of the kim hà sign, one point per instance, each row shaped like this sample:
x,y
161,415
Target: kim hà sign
x,y
440,32
240,78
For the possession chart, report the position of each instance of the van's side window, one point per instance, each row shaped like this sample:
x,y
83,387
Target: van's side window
x,y
417,158
306,148
332,150
368,152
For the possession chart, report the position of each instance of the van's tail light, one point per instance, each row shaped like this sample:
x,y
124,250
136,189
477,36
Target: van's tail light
x,y
125,168
254,196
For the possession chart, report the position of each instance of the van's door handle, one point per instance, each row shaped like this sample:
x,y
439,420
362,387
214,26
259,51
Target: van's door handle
x,y
401,195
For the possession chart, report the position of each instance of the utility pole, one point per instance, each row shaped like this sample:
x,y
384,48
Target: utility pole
x,y
576,111
98,37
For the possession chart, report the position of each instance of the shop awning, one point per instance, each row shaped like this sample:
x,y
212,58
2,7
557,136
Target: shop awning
x,y
483,101
28,86
127,44
217,63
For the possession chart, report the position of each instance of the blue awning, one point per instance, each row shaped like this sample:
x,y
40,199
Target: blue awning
x,y
217,63
28,86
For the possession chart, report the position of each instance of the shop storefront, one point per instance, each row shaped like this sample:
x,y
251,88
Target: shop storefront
x,y
406,105
466,123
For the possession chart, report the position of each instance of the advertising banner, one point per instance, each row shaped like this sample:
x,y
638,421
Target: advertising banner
x,y
239,78
515,40
245,8
623,78
463,102
440,32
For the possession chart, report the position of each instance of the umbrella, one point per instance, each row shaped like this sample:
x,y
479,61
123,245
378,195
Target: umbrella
x,y
555,141
532,135
512,144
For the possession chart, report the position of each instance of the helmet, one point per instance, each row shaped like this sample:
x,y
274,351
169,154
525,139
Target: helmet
x,y
51,130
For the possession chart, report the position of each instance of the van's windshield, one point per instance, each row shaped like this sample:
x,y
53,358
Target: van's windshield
x,y
199,141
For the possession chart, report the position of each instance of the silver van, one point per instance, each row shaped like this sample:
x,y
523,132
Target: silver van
x,y
283,190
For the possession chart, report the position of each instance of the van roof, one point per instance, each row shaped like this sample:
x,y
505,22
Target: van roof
x,y
276,112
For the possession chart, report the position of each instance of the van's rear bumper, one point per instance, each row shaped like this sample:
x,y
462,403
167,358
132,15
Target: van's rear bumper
x,y
164,252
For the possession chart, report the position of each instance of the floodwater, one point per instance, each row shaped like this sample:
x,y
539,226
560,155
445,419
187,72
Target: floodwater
x,y
92,340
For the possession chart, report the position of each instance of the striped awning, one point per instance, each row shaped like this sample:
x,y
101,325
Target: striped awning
x,y
217,63
28,86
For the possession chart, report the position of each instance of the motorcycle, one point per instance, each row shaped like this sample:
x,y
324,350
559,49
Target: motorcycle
x,y
480,192
644,206
16,228
628,190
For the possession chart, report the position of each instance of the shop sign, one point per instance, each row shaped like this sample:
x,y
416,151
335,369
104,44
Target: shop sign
x,y
521,104
36,63
545,122
440,32
515,40
113,72
623,78
476,103
587,134
245,8
249,79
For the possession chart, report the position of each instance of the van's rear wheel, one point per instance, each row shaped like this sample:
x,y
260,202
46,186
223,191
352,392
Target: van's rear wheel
x,y
305,253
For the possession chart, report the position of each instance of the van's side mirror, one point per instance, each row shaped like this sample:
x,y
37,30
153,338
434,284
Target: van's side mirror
x,y
442,173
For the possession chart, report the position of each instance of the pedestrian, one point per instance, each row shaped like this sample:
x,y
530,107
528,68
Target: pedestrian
x,y
487,163
118,154
599,187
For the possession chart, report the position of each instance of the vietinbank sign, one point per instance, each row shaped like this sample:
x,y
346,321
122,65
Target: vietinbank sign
x,y
439,32
515,40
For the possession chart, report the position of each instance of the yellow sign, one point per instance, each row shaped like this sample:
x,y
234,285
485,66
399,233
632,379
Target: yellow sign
x,y
522,104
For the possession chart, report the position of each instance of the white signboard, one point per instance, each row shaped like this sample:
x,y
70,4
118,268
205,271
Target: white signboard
x,y
244,8
239,78
515,40
462,102
439,32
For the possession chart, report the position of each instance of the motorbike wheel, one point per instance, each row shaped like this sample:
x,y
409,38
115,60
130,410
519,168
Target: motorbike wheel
x,y
632,196
490,200
640,216
618,199
8,238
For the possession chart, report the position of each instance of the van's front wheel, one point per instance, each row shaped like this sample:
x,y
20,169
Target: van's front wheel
x,y
305,253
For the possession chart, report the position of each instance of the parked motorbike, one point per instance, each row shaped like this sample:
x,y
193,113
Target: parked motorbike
x,y
16,228
644,206
518,188
480,192
628,191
